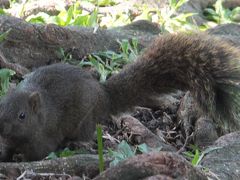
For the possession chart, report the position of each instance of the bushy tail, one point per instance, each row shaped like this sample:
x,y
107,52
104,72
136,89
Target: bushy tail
x,y
205,65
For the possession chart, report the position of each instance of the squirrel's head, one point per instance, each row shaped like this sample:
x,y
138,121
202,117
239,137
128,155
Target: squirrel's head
x,y
20,114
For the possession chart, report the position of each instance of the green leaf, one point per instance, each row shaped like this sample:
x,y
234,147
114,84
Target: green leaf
x,y
135,44
66,153
2,12
59,21
100,66
124,151
236,11
4,35
179,4
77,10
172,3
189,154
196,157
81,20
205,152
211,15
100,147
124,46
5,75
226,14
235,15
62,17
219,7
183,17
106,2
92,21
209,11
69,16
118,157
144,148
103,2
52,155
39,20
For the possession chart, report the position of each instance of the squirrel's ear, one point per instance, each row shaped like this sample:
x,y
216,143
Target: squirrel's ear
x,y
34,101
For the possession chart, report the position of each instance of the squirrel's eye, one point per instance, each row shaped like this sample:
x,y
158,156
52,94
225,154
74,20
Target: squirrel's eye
x,y
21,116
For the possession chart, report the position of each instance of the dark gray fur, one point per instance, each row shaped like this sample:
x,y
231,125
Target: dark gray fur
x,y
64,102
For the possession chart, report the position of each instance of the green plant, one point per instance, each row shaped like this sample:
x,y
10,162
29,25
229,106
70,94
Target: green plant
x,y
5,76
67,152
73,16
100,147
18,6
144,148
172,21
65,57
129,50
40,18
169,19
221,15
103,2
125,151
2,12
4,35
196,155
109,62
64,153
175,5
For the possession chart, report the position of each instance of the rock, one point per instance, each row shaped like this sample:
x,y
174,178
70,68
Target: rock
x,y
228,32
162,165
224,162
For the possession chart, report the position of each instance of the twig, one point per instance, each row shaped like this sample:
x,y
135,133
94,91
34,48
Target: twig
x,y
185,144
22,175
20,70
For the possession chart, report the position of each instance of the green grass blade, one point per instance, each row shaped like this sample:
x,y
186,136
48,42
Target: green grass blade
x,y
100,147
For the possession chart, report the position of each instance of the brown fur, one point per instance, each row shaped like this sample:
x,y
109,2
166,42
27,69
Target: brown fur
x,y
63,102
205,65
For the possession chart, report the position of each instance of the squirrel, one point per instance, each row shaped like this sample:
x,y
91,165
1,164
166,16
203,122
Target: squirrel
x,y
61,102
